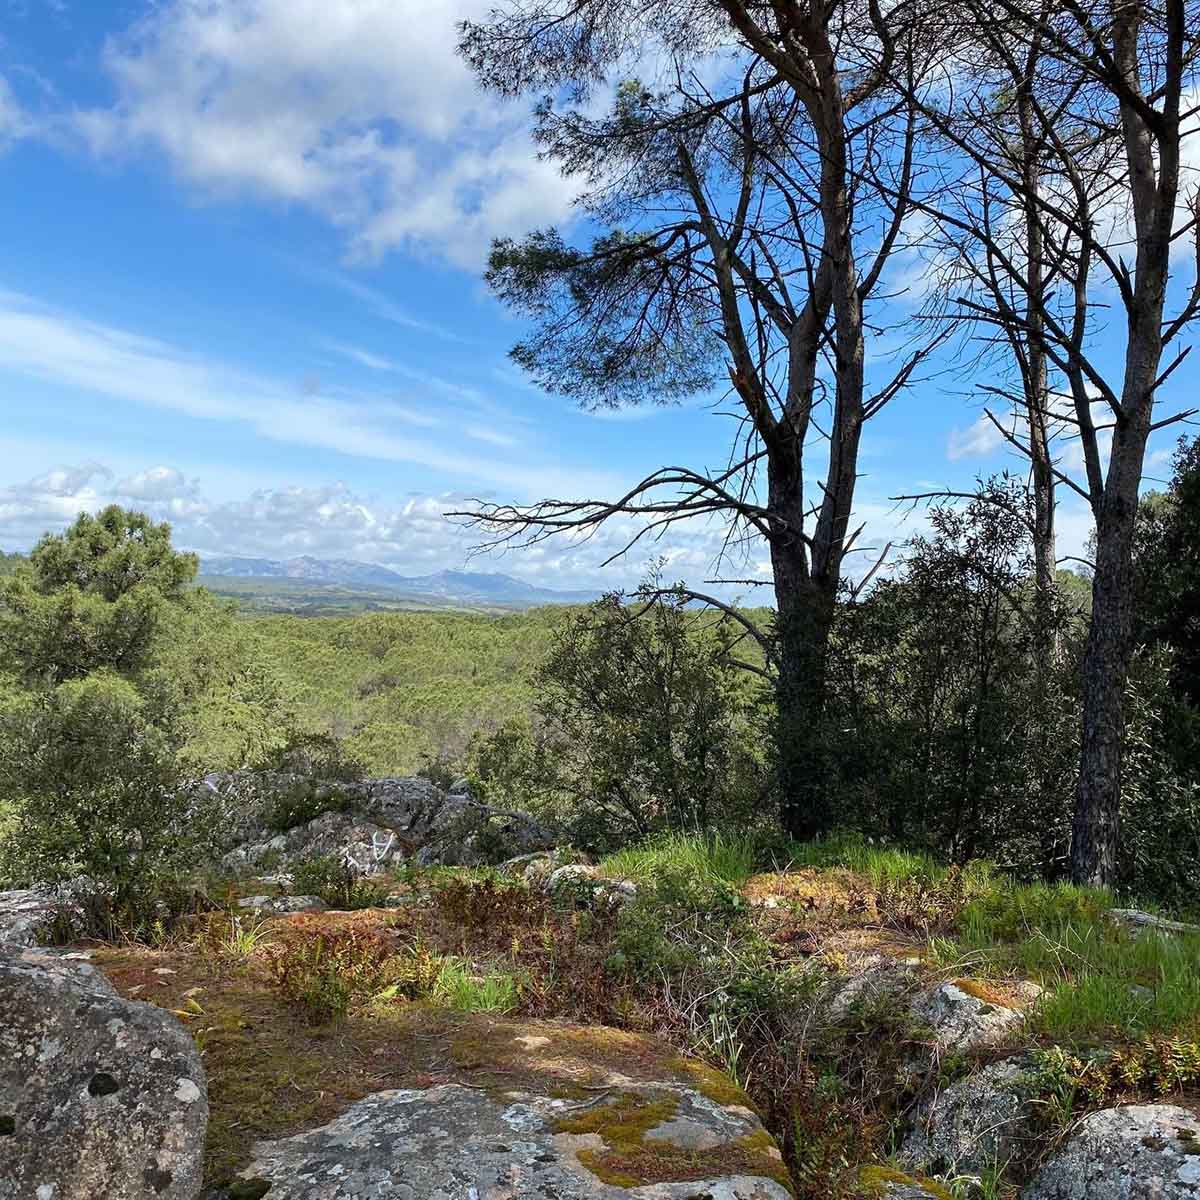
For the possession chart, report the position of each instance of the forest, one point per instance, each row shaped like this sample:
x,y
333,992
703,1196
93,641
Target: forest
x,y
846,868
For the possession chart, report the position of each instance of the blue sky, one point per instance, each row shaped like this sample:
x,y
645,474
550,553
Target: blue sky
x,y
240,288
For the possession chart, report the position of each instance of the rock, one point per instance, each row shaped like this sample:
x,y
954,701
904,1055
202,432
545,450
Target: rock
x,y
576,879
961,1020
374,822
283,904
1143,1152
25,913
974,1123
645,1142
891,1184
1144,922
870,979
100,1098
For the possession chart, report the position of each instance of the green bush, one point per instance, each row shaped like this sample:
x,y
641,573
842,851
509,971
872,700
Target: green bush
x,y
337,883
300,801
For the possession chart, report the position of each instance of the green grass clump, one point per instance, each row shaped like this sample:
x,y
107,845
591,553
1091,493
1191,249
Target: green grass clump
x,y
1101,980
707,858
460,988
879,863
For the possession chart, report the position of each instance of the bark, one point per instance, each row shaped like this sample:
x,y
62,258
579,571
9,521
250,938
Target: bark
x,y
804,619
1153,162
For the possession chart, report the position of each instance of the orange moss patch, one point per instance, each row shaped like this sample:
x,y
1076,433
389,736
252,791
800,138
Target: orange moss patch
x,y
1002,993
833,891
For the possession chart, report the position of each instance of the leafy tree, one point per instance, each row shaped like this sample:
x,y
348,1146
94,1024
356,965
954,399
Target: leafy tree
x,y
1167,565
89,745
1098,96
92,598
748,208
967,740
644,724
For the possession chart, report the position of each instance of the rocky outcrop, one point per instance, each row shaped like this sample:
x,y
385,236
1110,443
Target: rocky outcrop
x,y
25,913
640,1142
973,1124
100,1098
374,823
1143,922
965,1016
1143,1152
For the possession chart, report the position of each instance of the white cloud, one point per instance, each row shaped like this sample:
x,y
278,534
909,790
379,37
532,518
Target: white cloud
x,y
15,121
65,349
359,110
364,358
334,521
976,441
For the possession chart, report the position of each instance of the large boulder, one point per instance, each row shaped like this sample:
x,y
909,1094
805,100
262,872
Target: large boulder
x,y
100,1098
636,1142
1142,1152
375,823
974,1123
965,1015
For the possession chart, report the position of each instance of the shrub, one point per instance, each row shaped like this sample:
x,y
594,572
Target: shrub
x,y
324,971
642,725
483,901
315,756
299,801
337,883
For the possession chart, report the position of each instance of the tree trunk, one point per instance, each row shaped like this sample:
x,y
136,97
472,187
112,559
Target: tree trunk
x,y
803,622
1096,827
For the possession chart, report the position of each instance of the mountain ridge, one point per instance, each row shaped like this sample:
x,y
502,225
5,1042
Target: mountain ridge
x,y
464,587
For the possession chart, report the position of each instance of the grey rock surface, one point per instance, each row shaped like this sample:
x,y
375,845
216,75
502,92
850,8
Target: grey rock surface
x,y
376,823
23,914
973,1124
283,904
459,1143
1144,922
100,1098
1142,1152
961,1021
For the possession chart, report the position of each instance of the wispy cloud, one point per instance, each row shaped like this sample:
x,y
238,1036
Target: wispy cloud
x,y
66,349
364,358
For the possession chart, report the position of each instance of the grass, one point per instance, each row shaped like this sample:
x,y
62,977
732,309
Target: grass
x,y
879,863
1102,981
707,858
460,988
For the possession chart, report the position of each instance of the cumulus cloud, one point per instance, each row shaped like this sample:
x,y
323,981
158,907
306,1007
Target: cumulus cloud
x,y
362,112
414,537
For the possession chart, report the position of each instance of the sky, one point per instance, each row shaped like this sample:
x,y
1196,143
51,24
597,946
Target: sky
x,y
240,288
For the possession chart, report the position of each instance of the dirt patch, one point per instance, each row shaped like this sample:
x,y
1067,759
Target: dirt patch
x,y
272,1073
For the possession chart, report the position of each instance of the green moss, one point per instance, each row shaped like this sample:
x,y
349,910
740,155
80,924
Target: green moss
x,y
632,1159
711,1082
878,1180
248,1189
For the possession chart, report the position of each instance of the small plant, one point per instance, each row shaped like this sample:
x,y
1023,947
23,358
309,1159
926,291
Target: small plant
x,y
483,901
338,883
325,971
243,936
460,988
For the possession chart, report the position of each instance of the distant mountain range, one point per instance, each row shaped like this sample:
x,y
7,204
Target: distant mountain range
x,y
447,587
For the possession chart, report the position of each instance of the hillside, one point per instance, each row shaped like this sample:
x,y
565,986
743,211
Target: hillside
x,y
402,688
314,587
